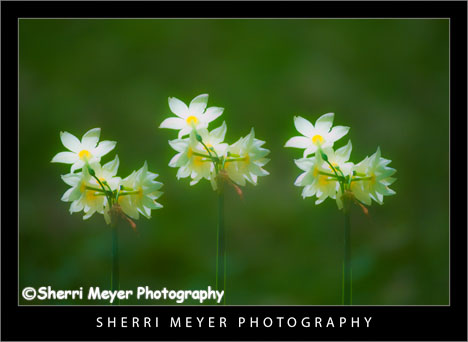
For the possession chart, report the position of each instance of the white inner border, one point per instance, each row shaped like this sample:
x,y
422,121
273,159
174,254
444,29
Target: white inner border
x,y
243,305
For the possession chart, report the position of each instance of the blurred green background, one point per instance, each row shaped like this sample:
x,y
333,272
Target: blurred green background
x,y
386,79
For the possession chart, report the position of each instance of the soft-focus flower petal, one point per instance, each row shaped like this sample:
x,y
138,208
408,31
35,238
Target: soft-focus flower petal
x,y
173,123
344,152
198,104
310,150
70,141
305,164
113,165
212,113
298,142
77,165
338,132
104,147
303,126
90,138
65,157
178,107
219,133
324,122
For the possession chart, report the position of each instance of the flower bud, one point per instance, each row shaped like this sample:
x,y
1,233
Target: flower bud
x,y
91,171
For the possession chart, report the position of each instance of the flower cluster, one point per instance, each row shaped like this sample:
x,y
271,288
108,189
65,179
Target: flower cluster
x,y
329,173
98,189
204,154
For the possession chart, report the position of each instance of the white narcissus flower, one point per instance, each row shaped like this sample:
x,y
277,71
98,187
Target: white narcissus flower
x,y
360,189
193,116
315,179
376,187
318,176
248,158
86,150
143,191
192,157
320,135
84,192
107,174
339,159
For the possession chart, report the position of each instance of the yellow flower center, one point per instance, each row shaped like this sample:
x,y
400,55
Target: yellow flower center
x,y
335,165
83,187
317,139
247,159
90,196
373,178
323,180
189,153
192,120
316,171
84,154
140,192
197,160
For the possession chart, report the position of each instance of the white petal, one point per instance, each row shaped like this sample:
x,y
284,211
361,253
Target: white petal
x,y
180,145
299,179
198,104
309,191
303,126
89,213
298,142
345,151
112,166
77,165
146,212
104,147
65,157
72,179
70,141
338,132
219,133
173,123
195,181
76,206
321,199
310,150
91,138
178,107
128,208
183,172
305,164
66,195
324,122
184,131
212,113
174,160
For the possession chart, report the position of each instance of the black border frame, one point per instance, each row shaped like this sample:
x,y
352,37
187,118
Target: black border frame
x,y
388,322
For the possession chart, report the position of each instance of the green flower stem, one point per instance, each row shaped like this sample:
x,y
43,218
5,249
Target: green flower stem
x,y
93,189
115,281
347,285
207,149
201,155
221,251
129,193
361,179
235,159
327,174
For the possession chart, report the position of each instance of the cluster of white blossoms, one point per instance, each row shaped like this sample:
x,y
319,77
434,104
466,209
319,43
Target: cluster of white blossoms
x,y
204,154
98,189
329,173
